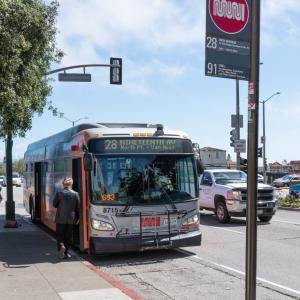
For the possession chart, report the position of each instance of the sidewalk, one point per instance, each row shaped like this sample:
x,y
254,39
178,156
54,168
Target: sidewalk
x,y
30,267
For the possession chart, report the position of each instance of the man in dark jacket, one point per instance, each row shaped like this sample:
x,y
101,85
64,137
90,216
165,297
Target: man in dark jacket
x,y
67,214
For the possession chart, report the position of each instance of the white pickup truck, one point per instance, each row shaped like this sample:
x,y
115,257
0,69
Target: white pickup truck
x,y
224,191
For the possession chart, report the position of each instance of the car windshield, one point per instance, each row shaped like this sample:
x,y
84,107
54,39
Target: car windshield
x,y
144,179
287,177
229,177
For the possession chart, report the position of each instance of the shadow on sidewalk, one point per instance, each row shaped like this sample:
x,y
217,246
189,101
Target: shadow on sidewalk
x,y
26,245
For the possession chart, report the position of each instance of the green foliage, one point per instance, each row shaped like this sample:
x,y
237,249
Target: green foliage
x,y
18,166
289,201
27,48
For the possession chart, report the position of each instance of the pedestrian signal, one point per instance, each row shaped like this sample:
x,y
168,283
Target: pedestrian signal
x,y
259,152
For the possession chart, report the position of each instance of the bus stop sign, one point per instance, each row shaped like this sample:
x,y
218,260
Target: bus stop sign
x,y
227,46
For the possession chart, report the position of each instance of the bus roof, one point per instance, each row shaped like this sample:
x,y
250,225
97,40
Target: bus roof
x,y
103,129
62,136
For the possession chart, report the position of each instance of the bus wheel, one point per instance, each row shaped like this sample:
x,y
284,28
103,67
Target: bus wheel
x,y
222,213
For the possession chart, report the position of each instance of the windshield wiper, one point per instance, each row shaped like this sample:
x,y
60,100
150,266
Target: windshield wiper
x,y
169,198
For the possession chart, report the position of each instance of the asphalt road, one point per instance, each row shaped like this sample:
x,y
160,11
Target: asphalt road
x,y
214,270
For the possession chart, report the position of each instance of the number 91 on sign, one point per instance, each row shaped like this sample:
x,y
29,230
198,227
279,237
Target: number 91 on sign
x,y
212,68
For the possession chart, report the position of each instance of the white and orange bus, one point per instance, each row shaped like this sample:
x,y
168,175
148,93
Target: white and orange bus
x,y
137,185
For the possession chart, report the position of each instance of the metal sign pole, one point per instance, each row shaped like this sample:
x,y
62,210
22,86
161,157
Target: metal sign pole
x,y
253,106
238,155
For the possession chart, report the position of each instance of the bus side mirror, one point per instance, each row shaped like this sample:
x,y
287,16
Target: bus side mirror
x,y
199,166
88,161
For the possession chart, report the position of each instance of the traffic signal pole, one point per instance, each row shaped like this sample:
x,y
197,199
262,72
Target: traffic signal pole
x,y
264,146
253,106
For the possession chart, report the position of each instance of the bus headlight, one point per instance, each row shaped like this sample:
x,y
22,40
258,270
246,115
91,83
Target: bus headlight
x,y
191,224
102,226
194,220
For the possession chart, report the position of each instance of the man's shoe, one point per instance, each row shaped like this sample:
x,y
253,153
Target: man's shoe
x,y
62,250
67,255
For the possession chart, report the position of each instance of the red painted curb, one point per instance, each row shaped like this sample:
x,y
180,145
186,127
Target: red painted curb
x,y
11,224
133,295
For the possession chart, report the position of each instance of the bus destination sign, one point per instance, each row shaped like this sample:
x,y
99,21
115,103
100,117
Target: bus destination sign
x,y
140,145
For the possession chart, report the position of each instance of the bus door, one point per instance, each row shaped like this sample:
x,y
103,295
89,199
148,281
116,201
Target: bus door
x,y
80,233
38,191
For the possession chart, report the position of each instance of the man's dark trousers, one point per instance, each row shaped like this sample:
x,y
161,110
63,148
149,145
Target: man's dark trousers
x,y
64,234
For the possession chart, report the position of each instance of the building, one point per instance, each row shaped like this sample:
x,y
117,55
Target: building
x,y
213,157
295,166
277,167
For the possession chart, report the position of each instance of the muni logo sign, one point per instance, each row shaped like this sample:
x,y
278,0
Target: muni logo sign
x,y
231,17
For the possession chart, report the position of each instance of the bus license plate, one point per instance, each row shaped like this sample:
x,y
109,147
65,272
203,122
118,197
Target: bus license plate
x,y
150,222
173,221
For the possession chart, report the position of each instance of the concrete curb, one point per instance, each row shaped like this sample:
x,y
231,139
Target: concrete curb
x,y
130,293
289,208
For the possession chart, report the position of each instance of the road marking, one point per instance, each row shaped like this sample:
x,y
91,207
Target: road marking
x,y
230,230
288,222
240,272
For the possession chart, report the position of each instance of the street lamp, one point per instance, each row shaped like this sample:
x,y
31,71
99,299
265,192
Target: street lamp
x,y
264,135
61,115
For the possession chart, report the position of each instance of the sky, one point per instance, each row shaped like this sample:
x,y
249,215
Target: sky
x,y
162,44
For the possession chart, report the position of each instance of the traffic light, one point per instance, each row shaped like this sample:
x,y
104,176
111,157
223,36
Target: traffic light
x,y
243,163
232,137
259,152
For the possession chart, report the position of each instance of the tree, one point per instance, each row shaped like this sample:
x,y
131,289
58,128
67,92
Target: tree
x,y
27,48
18,166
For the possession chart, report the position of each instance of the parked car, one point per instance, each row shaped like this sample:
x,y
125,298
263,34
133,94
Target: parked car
x,y
16,179
295,190
2,180
287,180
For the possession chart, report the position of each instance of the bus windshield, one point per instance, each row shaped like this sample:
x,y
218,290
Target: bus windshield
x,y
143,179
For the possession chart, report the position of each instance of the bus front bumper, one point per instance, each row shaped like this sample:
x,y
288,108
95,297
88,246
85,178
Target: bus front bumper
x,y
100,245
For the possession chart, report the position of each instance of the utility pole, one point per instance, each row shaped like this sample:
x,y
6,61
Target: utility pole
x,y
238,155
264,136
253,107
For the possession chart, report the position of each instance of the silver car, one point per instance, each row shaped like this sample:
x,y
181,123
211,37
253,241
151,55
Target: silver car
x,y
287,180
260,178
2,180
